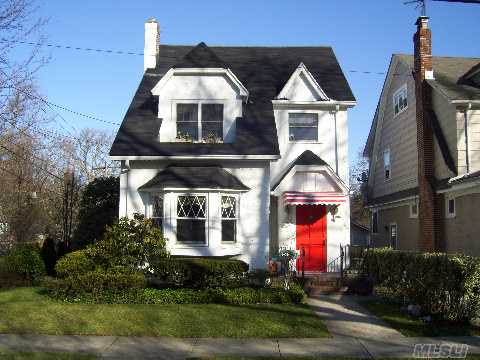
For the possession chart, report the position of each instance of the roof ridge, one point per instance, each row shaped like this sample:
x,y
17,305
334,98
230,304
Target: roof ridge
x,y
254,46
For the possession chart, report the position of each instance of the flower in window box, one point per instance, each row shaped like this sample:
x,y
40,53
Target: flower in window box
x,y
183,137
212,138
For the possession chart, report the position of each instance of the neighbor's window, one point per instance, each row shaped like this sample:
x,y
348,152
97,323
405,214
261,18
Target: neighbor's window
x,y
197,122
450,207
375,222
386,164
400,100
414,210
393,235
156,209
191,219
212,121
187,121
229,219
303,127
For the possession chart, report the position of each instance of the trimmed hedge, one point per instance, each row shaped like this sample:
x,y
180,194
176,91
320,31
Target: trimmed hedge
x,y
236,296
95,282
444,285
199,272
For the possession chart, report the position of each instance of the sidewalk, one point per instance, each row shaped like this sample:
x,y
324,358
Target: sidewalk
x,y
356,333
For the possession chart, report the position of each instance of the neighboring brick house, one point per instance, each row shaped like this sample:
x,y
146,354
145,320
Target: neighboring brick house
x,y
238,151
424,152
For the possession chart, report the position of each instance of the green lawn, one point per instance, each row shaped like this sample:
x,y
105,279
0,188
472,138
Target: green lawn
x,y
26,311
411,326
10,355
470,357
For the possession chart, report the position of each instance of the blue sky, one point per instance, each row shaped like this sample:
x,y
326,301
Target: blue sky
x,y
363,35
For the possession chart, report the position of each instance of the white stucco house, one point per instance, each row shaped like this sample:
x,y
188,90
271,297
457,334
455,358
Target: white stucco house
x,y
239,151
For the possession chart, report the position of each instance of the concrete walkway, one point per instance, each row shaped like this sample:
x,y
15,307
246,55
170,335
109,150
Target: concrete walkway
x,y
356,333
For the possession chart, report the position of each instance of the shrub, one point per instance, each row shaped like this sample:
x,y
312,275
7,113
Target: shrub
x,y
74,263
49,255
238,296
25,260
98,208
95,282
8,276
130,243
200,272
446,286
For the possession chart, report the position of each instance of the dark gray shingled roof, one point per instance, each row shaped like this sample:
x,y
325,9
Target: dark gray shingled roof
x,y
262,70
451,78
448,73
306,158
194,177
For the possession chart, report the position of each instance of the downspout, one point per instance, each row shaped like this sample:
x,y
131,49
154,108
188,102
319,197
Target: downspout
x,y
467,157
127,170
337,108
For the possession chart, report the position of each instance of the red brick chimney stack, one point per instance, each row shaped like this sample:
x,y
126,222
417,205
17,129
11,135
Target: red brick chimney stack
x,y
428,206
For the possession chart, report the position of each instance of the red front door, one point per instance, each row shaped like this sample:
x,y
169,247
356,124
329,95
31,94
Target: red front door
x,y
312,237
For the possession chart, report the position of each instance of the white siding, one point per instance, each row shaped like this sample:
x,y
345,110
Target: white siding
x,y
253,224
474,139
194,88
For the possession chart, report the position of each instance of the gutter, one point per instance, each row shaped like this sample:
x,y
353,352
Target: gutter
x,y
196,157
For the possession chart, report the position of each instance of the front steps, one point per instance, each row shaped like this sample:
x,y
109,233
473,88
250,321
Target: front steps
x,y
323,284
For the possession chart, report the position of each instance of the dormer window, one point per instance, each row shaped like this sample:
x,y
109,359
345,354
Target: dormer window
x,y
200,122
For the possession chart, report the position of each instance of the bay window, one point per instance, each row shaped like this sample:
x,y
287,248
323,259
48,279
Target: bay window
x,y
156,209
229,219
192,219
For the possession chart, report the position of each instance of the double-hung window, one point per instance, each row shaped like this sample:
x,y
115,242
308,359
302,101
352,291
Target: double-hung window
x,y
387,168
212,121
200,122
450,207
156,209
187,121
192,219
303,127
229,208
375,222
400,102
393,235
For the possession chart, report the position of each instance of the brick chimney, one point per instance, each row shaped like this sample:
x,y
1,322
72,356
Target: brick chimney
x,y
152,44
429,209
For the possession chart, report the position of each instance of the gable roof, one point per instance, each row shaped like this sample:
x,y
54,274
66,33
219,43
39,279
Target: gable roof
x,y
449,78
194,177
306,158
448,73
263,70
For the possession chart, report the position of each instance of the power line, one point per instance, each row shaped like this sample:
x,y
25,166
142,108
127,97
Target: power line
x,y
37,166
121,52
69,47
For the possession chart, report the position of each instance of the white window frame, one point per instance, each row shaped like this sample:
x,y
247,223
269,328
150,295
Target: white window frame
x,y
387,151
237,217
199,104
393,224
374,213
412,214
303,141
403,90
150,208
207,220
448,214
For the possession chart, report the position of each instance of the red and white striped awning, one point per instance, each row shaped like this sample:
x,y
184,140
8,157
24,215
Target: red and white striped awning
x,y
313,198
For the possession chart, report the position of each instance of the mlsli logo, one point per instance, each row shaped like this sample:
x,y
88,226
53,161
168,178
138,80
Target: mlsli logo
x,y
435,351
